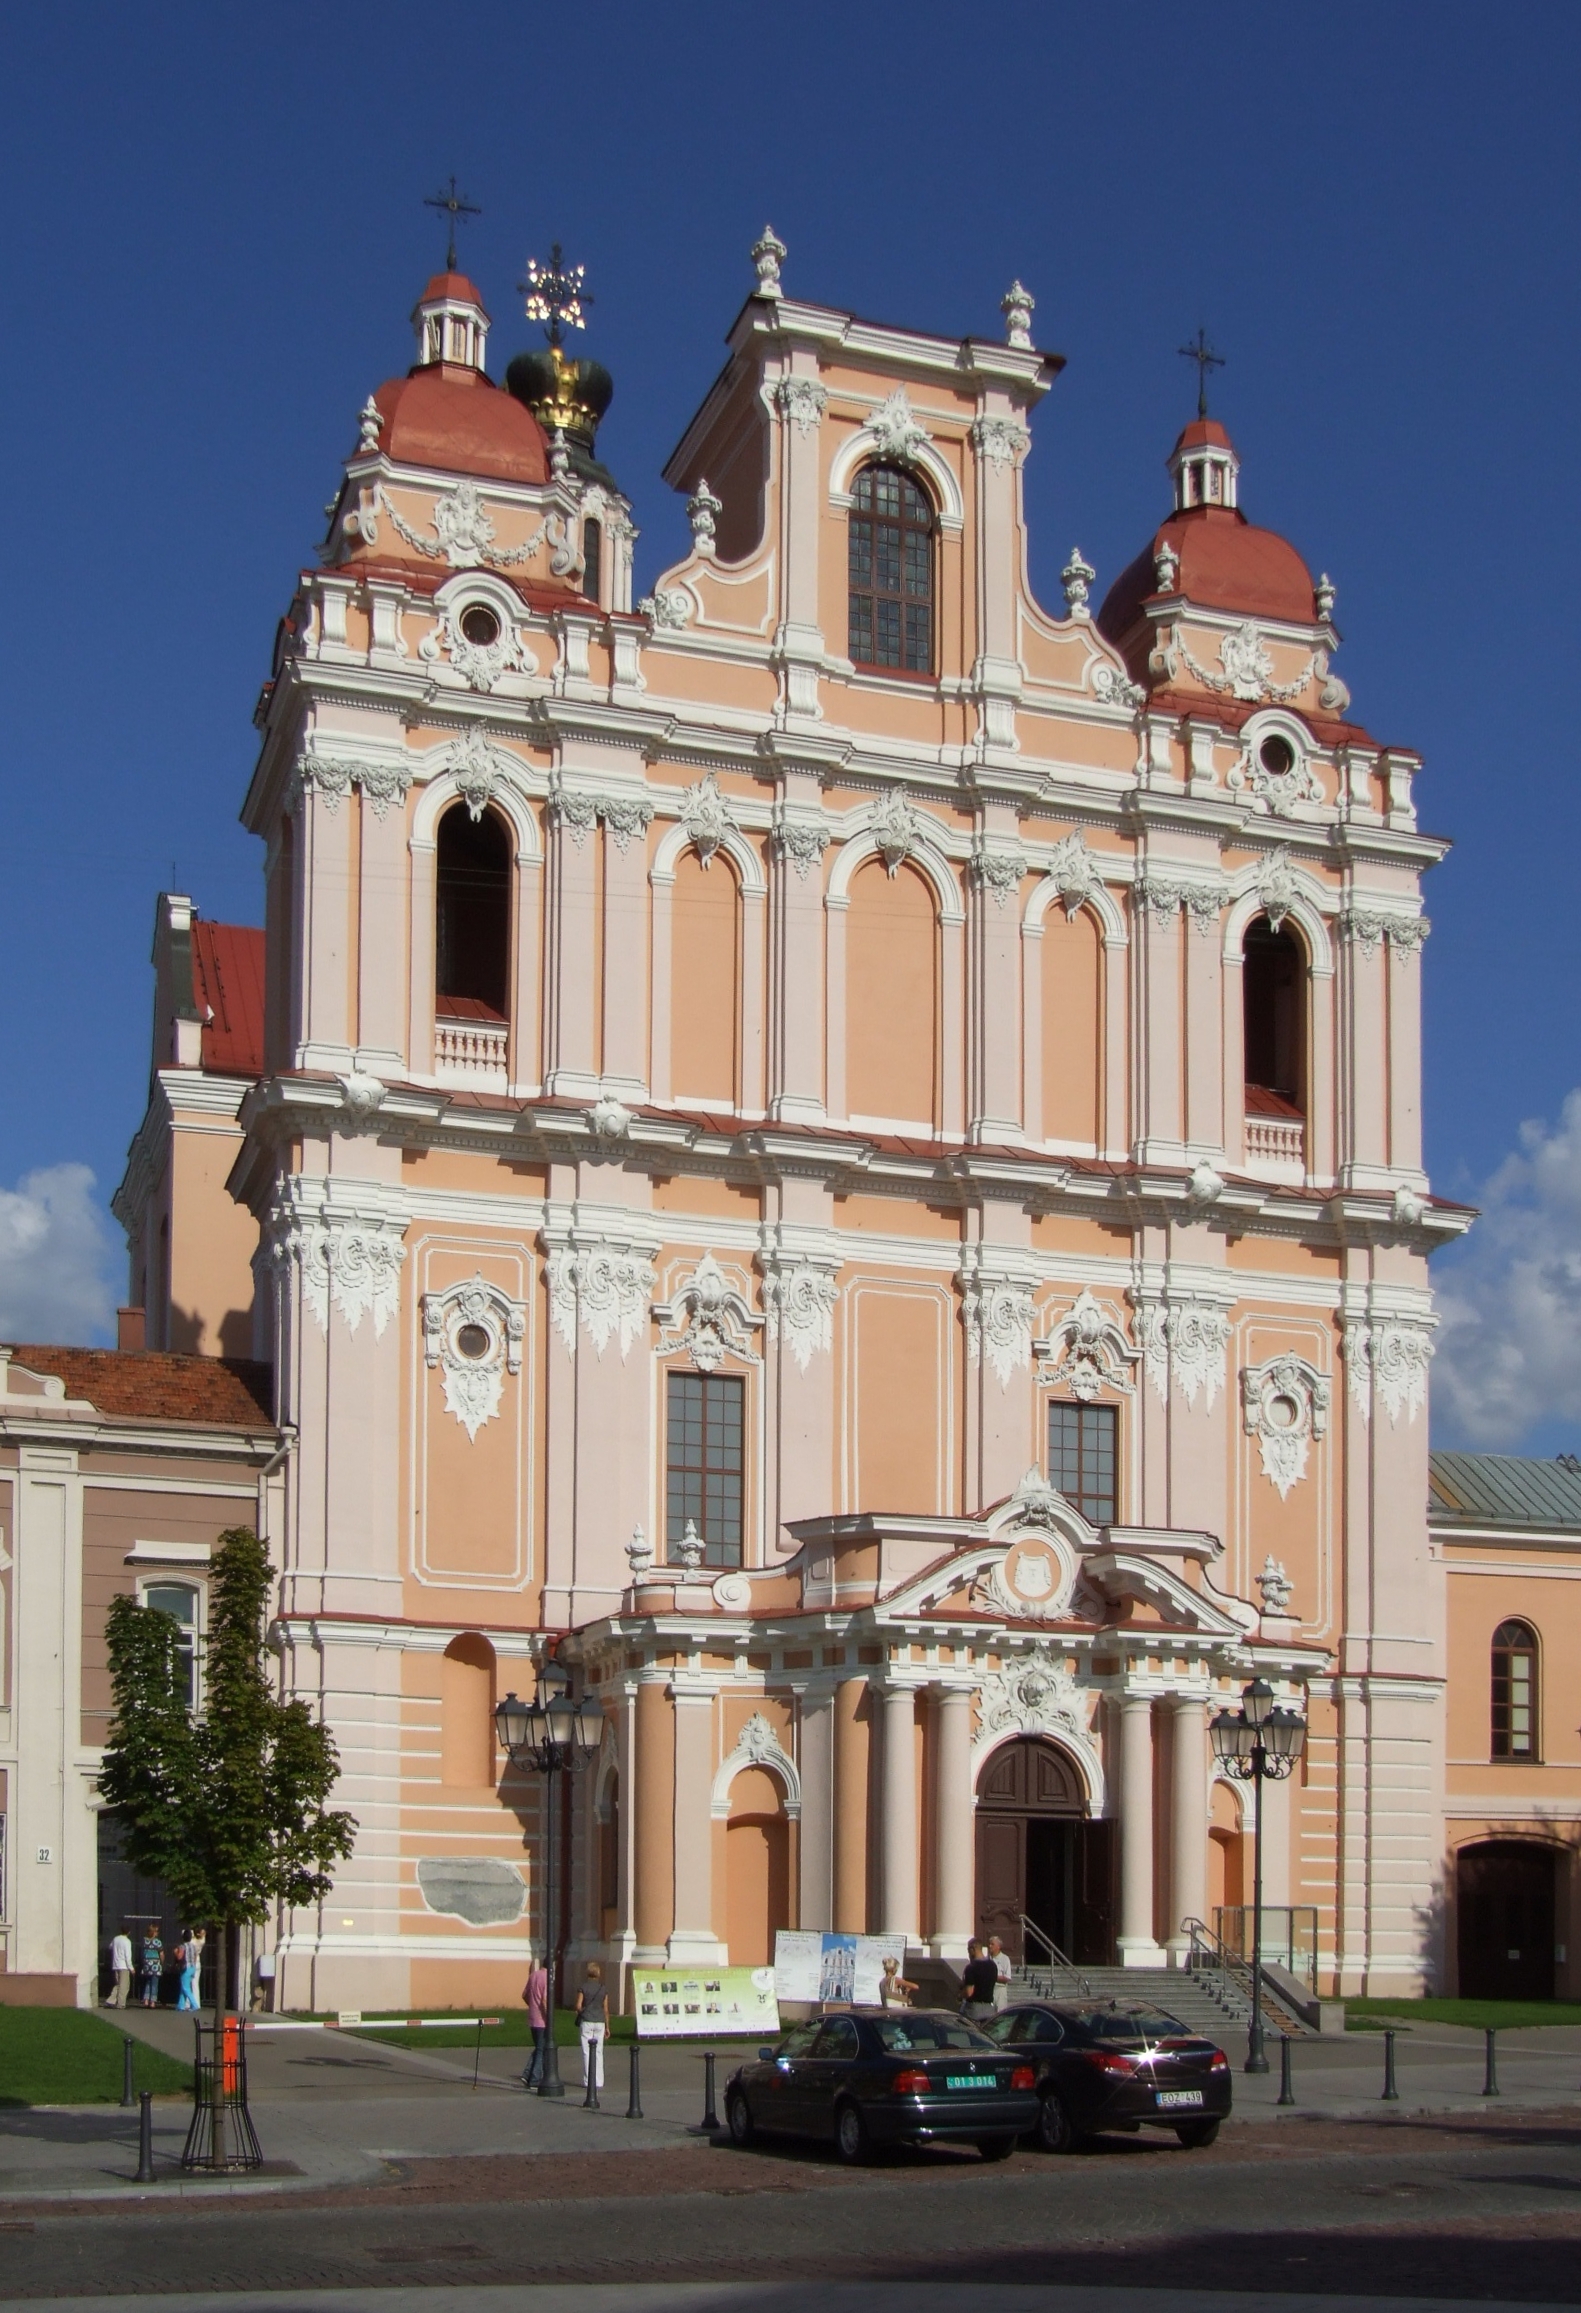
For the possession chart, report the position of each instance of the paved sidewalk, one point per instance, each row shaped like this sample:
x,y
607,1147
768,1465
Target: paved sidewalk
x,y
334,2107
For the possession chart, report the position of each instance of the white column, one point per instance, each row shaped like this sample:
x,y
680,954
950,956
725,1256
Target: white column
x,y
1188,1829
954,1910
899,1768
1136,1945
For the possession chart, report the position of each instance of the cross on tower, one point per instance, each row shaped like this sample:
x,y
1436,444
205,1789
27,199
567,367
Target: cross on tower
x,y
1205,358
555,294
453,205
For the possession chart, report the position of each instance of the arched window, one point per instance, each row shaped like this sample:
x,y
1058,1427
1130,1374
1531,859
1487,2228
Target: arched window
x,y
891,571
1514,1695
473,928
593,560
1273,994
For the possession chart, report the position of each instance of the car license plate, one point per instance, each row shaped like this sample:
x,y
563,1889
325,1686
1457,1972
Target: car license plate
x,y
1171,2099
969,2080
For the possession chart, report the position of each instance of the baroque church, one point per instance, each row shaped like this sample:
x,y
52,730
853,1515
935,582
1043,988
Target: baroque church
x,y
839,1148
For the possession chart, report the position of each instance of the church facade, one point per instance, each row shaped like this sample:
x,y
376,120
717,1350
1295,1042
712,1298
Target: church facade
x,y
840,1148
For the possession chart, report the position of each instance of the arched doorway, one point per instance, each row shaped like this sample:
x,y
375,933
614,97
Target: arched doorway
x,y
1504,1890
1038,1857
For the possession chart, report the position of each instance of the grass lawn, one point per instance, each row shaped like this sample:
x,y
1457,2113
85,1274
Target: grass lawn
x,y
1503,2015
72,2056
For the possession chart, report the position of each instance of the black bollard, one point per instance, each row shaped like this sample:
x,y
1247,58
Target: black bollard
x,y
710,2116
1287,2094
1490,2077
145,2138
634,2102
128,2095
1391,2094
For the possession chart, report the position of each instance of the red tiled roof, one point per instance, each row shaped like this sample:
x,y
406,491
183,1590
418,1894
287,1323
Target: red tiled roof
x,y
228,989
156,1385
459,421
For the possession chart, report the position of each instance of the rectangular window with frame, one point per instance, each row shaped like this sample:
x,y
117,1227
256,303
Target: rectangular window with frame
x,y
705,1463
1084,1459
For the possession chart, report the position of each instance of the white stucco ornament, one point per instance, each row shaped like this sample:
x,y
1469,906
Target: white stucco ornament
x,y
1389,1359
799,1297
895,828
1088,1349
607,1285
473,1334
1276,1586
996,1313
706,817
732,1593
895,432
1284,1405
708,1319
1034,1694
1032,1582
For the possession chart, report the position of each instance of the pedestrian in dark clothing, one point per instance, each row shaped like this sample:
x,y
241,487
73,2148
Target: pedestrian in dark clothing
x,y
979,1982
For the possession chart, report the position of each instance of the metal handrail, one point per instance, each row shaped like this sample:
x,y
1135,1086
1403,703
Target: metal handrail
x,y
1057,1958
1209,1946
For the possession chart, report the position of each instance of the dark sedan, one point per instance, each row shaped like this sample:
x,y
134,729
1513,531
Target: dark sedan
x,y
1116,2065
884,2077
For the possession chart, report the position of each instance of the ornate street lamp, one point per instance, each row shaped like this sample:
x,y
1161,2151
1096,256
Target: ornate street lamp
x,y
1260,1743
552,1736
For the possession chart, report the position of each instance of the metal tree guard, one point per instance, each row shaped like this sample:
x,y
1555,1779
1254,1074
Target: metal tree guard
x,y
1260,1743
221,2139
552,1736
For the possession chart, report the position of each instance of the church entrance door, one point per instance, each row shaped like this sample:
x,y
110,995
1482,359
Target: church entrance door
x,y
1038,1857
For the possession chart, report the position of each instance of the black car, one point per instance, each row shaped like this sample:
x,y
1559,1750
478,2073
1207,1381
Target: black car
x,y
885,2076
1117,2065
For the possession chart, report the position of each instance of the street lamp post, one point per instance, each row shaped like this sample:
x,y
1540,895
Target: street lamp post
x,y
552,1736
1260,1743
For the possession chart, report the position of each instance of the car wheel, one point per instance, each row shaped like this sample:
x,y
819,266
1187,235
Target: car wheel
x,y
1194,2134
996,2147
850,2135
739,2120
1054,2131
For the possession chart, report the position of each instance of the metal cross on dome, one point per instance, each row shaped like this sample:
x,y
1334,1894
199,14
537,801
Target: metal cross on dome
x,y
456,207
555,294
1205,358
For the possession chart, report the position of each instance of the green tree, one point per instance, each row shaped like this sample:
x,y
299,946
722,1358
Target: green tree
x,y
225,1805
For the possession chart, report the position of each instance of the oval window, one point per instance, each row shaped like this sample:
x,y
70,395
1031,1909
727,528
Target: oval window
x,y
1277,756
480,625
473,1341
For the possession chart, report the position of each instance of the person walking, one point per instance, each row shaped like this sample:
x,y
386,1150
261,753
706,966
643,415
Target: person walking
x,y
263,1984
120,1969
979,1982
536,1994
1003,1968
894,1989
592,2019
153,1966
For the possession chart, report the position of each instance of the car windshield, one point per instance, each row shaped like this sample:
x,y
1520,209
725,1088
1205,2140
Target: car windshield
x,y
1137,2024
901,2035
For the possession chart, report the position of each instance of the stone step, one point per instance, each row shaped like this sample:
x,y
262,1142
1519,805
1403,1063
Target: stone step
x,y
1206,2003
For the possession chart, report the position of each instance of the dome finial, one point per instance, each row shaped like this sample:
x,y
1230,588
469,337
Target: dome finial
x,y
555,295
1205,358
457,208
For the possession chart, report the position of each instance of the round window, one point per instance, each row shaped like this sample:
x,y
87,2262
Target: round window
x,y
480,625
1277,756
1283,1413
473,1341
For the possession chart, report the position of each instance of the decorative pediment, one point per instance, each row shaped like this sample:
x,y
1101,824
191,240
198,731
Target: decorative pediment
x,y
708,1320
1032,1581
1087,1351
1120,1576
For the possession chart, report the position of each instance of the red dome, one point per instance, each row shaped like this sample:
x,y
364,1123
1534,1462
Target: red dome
x,y
1226,563
451,285
456,420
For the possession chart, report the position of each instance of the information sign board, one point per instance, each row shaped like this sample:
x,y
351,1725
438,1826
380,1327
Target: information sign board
x,y
673,2003
828,1966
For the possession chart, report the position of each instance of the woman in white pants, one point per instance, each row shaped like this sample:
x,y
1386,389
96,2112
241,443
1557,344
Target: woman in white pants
x,y
592,2020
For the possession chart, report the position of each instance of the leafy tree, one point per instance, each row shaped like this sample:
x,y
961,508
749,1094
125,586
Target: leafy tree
x,y
227,1805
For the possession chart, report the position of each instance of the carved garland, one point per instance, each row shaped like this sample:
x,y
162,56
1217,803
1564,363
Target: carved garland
x,y
349,1260
1389,1359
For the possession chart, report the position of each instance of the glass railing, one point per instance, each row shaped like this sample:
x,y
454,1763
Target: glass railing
x,y
1290,1936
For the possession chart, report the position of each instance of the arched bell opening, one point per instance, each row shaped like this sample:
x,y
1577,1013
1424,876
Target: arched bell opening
x,y
1042,1863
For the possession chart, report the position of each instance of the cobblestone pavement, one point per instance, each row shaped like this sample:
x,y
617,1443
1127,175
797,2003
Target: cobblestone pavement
x,y
1453,2207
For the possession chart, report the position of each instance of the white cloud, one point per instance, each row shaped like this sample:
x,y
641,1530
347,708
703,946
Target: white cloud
x,y
56,1255
1509,1345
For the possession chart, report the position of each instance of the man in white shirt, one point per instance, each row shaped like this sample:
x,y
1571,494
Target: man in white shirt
x,y
263,1989
120,1969
1002,1969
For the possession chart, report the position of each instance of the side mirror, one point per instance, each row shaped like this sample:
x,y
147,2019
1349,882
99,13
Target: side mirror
x,y
765,2055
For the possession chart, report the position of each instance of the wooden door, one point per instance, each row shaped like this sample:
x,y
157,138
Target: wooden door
x,y
1093,1932
1505,1928
1002,1878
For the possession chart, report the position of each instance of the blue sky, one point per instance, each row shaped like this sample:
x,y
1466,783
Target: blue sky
x,y
217,233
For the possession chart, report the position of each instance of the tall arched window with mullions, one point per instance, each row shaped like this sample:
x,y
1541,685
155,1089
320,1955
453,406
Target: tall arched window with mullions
x,y
1514,1698
892,534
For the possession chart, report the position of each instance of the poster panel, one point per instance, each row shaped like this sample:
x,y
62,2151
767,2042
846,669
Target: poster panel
x,y
829,1966
708,2002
